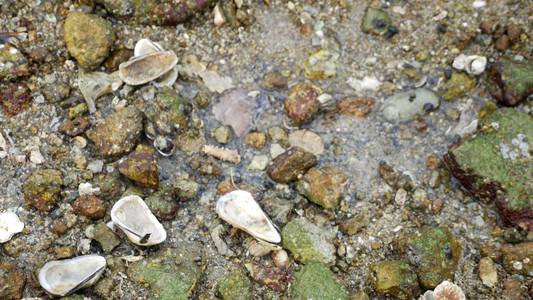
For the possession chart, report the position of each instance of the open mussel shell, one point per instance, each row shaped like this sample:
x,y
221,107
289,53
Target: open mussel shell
x,y
63,277
132,215
241,210
146,68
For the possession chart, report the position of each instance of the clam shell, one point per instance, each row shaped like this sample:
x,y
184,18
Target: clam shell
x,y
146,68
146,46
63,277
475,65
241,210
139,224
9,226
93,85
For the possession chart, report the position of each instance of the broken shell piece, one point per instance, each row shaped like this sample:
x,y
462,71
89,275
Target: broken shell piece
x,y
146,68
139,224
63,277
472,64
240,210
93,85
224,154
10,225
146,46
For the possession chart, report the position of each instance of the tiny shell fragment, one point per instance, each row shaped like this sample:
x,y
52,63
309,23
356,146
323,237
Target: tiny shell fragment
x,y
9,226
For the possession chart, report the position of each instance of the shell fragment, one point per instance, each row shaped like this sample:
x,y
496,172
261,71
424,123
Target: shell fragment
x,y
9,226
143,69
241,210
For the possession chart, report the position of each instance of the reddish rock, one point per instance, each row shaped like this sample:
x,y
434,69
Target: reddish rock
x,y
90,206
291,164
302,103
15,98
141,167
12,282
502,43
75,127
356,107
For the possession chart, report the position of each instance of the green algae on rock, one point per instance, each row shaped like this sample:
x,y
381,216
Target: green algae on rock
x,y
289,165
308,242
496,165
511,82
323,186
89,38
457,86
235,286
12,281
433,253
163,203
315,281
118,133
172,273
141,167
42,189
394,278
13,63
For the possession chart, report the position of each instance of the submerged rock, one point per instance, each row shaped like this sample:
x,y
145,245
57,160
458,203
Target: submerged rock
x,y
405,106
394,278
89,38
42,189
235,286
291,164
323,186
141,167
307,242
434,254
511,82
12,282
457,86
118,133
302,103
235,109
496,165
316,281
171,273
13,63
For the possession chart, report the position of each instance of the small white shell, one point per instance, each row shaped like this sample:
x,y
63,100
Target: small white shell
x,y
475,65
146,68
146,46
63,277
9,226
93,85
139,224
240,210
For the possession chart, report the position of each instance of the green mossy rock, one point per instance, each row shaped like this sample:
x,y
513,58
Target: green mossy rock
x,y
316,281
42,189
105,237
496,164
308,242
511,81
235,286
394,278
172,273
457,86
89,38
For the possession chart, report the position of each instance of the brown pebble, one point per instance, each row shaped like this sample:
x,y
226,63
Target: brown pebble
x,y
502,43
256,139
306,29
225,187
355,106
433,161
302,103
90,206
75,127
514,31
275,80
487,26
116,58
59,227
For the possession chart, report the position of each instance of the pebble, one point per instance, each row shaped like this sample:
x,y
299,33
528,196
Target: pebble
x,y
222,134
90,206
376,21
488,272
457,86
36,157
302,103
255,139
140,166
405,106
96,166
291,164
316,281
394,278
42,189
355,106
321,65
307,140
15,98
511,82
276,150
275,81
258,163
235,109
368,83
13,281
235,286
308,242
323,186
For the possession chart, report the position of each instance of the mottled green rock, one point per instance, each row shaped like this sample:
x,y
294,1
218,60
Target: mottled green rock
x,y
169,112
235,286
12,282
323,186
118,133
307,242
394,278
163,203
89,38
434,254
42,189
287,166
140,166
111,187
105,237
457,86
518,259
496,164
316,281
511,81
172,273
321,65
13,63
376,21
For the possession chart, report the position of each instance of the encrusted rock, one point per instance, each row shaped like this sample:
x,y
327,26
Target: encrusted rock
x,y
405,106
171,273
307,242
235,286
457,86
321,65
12,282
488,272
163,203
316,281
75,127
13,63
256,139
377,21
355,106
287,167
222,134
518,259
42,189
434,254
275,80
15,98
105,237
302,103
90,206
323,186
141,167
118,133
511,82
495,165
89,38
394,278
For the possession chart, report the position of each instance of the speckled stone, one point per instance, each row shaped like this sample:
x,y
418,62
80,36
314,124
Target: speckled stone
x,y
308,242
323,186
235,286
12,282
288,166
316,281
302,103
405,106
140,166
394,278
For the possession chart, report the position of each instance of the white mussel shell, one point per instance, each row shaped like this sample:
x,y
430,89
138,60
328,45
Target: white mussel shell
x,y
146,46
93,85
146,68
63,277
9,226
475,65
139,224
241,210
